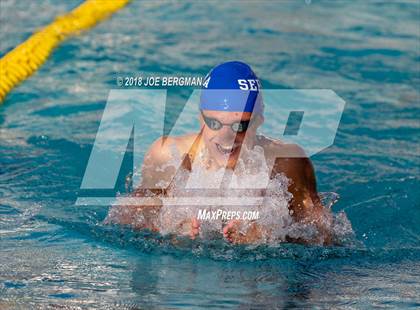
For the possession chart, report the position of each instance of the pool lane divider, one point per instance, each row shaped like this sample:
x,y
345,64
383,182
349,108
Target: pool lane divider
x,y
27,57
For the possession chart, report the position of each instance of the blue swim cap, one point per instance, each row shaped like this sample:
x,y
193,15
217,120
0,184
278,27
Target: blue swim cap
x,y
231,86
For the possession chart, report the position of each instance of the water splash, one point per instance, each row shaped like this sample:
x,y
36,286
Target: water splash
x,y
202,185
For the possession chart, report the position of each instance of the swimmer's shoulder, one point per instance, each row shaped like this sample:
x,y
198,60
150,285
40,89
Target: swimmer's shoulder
x,y
290,159
157,154
274,148
164,149
185,142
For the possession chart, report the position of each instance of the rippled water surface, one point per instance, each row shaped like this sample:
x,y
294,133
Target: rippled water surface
x,y
54,253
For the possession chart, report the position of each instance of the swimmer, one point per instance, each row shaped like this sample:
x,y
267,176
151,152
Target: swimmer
x,y
228,122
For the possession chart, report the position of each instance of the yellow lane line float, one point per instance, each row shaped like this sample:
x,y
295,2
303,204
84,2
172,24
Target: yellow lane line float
x,y
27,57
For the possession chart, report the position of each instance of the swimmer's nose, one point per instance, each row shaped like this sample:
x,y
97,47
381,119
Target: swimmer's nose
x,y
227,135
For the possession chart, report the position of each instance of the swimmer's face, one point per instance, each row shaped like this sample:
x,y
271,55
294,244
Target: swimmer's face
x,y
224,144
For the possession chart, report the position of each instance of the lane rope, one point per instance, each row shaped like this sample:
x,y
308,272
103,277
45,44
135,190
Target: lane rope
x,y
27,57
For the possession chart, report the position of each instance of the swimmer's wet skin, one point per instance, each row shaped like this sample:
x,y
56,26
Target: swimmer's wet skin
x,y
229,122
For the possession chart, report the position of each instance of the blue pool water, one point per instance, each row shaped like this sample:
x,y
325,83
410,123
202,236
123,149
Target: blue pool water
x,y
54,253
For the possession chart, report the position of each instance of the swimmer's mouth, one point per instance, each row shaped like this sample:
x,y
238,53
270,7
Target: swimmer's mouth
x,y
227,150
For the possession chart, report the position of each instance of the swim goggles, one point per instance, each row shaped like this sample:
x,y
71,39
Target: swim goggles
x,y
215,124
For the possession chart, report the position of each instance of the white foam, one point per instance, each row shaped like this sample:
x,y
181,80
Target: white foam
x,y
250,176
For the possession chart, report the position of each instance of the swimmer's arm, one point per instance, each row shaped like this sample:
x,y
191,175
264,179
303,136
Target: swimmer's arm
x,y
145,216
306,206
137,216
155,173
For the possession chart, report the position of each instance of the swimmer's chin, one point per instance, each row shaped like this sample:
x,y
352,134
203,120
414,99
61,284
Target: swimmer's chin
x,y
227,163
226,160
